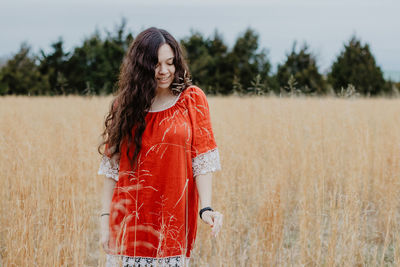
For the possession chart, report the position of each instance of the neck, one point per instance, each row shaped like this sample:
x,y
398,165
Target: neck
x,y
161,92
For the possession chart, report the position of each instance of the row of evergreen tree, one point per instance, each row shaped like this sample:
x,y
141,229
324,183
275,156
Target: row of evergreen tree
x,y
93,67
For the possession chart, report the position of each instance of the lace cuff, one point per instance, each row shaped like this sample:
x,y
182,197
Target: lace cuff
x,y
206,162
129,261
109,168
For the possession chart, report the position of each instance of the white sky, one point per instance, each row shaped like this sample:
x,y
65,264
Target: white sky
x,y
324,24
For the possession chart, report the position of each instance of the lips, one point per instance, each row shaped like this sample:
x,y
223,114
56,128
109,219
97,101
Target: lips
x,y
164,79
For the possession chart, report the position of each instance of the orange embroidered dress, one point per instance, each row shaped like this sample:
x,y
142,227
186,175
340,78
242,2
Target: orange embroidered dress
x,y
154,210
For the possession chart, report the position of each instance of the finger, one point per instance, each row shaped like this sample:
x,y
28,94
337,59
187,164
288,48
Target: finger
x,y
221,219
108,251
217,223
206,216
105,247
216,230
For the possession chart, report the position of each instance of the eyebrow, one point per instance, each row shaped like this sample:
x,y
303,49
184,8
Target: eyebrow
x,y
169,58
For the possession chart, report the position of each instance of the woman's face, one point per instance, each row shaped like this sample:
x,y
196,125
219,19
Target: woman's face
x,y
165,68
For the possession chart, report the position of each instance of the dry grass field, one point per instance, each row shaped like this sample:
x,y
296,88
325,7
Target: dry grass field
x,y
305,182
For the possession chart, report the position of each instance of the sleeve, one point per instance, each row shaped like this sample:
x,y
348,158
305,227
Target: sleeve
x,y
109,166
204,151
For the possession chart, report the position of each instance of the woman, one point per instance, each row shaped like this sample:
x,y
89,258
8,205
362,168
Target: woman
x,y
159,153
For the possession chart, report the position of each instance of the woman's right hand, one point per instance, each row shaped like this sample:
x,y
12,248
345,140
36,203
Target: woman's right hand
x,y
104,234
214,219
104,238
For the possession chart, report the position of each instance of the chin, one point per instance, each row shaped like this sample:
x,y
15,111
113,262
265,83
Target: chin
x,y
164,86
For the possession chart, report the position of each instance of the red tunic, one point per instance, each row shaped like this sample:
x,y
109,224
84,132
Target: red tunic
x,y
154,209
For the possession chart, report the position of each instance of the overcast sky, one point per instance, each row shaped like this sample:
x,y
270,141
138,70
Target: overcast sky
x,y
324,24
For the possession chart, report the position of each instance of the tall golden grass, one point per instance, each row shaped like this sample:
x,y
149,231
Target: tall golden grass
x,y
305,182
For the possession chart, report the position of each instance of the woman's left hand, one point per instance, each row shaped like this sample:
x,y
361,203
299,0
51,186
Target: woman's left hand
x,y
214,219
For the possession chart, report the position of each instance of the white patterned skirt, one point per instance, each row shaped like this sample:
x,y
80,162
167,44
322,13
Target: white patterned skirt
x,y
127,261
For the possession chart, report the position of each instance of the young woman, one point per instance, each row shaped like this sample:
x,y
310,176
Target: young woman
x,y
158,158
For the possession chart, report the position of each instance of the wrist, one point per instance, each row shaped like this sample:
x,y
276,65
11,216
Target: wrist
x,y
204,203
104,218
104,223
208,208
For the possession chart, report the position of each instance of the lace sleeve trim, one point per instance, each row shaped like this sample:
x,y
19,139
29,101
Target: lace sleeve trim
x,y
114,261
206,162
109,168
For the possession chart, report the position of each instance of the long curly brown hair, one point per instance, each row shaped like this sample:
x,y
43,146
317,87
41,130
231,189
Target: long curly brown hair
x,y
137,86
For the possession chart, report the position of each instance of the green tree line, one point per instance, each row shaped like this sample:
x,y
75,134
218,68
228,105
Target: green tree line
x,y
244,69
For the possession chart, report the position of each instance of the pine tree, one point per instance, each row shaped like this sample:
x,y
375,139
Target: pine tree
x,y
52,66
20,74
198,57
247,61
356,65
303,67
93,67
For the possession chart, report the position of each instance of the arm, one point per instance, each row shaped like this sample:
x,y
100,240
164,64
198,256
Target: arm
x,y
108,189
204,188
205,156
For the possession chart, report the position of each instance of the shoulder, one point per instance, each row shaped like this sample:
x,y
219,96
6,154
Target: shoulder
x,y
194,94
194,88
196,102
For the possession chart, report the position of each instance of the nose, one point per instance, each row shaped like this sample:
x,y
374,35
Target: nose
x,y
163,69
